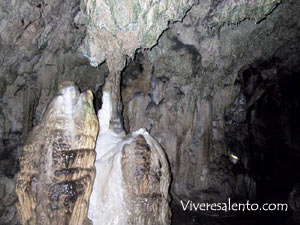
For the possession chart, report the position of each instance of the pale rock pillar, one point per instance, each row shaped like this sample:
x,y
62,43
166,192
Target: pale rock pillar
x,y
133,177
57,164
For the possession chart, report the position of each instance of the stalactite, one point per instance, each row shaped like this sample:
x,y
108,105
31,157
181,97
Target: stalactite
x,y
112,86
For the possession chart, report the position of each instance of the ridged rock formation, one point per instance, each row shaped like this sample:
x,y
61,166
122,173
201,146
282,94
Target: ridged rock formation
x,y
133,178
57,164
117,28
146,181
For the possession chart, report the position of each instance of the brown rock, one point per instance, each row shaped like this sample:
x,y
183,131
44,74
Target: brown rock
x,y
144,180
57,164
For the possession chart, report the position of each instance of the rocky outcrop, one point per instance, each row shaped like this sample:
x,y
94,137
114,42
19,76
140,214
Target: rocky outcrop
x,y
57,163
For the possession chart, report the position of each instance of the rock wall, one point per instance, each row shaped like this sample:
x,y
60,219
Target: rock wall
x,y
38,43
270,93
186,92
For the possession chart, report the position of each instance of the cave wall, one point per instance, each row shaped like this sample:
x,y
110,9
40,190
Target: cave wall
x,y
187,92
38,43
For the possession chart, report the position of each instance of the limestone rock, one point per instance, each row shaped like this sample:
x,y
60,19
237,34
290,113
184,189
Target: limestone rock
x,y
133,178
187,92
57,164
202,58
234,12
38,42
145,182
117,28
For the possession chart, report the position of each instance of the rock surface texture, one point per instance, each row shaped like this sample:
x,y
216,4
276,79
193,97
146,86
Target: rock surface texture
x,y
198,92
115,29
38,51
133,177
57,164
189,92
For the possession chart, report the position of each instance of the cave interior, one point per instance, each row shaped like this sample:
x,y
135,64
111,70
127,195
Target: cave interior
x,y
218,92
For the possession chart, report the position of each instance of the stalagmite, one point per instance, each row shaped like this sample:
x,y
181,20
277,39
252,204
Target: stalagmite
x,y
132,181
57,164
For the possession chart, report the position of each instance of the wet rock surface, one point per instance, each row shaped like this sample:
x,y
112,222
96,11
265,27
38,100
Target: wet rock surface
x,y
144,180
187,92
57,163
132,176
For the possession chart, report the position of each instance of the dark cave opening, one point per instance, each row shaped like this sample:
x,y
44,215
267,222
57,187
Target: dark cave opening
x,y
264,132
273,123
263,129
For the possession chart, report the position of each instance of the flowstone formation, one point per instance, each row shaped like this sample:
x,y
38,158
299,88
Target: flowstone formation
x,y
57,164
133,177
138,175
116,29
185,91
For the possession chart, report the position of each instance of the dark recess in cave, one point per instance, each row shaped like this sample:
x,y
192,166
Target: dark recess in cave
x,y
271,144
273,125
274,131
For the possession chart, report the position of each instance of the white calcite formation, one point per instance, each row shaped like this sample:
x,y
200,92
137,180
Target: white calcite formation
x,y
132,178
116,28
132,181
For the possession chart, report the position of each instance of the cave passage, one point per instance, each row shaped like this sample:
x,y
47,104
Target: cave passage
x,y
269,149
273,123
